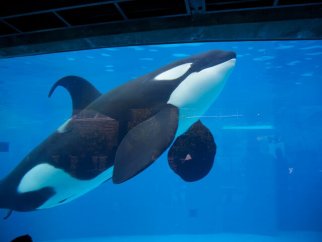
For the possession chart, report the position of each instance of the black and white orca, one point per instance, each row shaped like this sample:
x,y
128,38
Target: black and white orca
x,y
119,134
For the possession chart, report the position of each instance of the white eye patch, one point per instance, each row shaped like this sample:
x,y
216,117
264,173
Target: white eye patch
x,y
173,73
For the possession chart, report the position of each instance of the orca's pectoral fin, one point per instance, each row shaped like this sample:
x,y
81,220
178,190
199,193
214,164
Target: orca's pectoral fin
x,y
80,90
192,154
143,144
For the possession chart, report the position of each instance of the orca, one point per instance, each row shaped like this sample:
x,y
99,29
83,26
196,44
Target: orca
x,y
119,134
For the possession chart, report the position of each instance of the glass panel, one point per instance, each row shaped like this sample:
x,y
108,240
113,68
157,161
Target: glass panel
x,y
265,118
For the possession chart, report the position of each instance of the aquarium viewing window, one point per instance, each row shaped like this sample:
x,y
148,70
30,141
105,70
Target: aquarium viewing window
x,y
35,27
200,141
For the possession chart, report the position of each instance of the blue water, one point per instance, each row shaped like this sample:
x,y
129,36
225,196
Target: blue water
x,y
267,123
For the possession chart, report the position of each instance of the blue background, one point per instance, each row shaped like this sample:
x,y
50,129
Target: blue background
x,y
267,176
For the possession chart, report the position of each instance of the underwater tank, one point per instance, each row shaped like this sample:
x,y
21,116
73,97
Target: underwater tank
x,y
266,179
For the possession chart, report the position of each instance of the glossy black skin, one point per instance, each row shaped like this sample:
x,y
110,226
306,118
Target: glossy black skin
x,y
23,238
85,149
200,145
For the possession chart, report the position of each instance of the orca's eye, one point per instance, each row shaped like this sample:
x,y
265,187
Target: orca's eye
x,y
173,73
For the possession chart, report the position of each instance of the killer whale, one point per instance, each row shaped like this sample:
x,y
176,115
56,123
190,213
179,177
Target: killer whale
x,y
120,133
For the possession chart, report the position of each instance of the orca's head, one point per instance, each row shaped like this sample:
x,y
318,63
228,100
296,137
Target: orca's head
x,y
200,78
211,59
197,81
179,70
197,76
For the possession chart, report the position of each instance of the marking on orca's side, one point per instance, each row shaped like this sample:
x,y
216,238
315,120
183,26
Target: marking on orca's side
x,y
122,132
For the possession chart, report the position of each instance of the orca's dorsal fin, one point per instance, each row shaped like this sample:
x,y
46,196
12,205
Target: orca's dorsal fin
x,y
81,91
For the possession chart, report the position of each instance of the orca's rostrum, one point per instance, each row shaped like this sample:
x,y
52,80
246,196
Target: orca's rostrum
x,y
119,134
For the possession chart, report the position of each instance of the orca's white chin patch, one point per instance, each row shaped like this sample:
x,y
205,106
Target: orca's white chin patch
x,y
198,91
66,187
